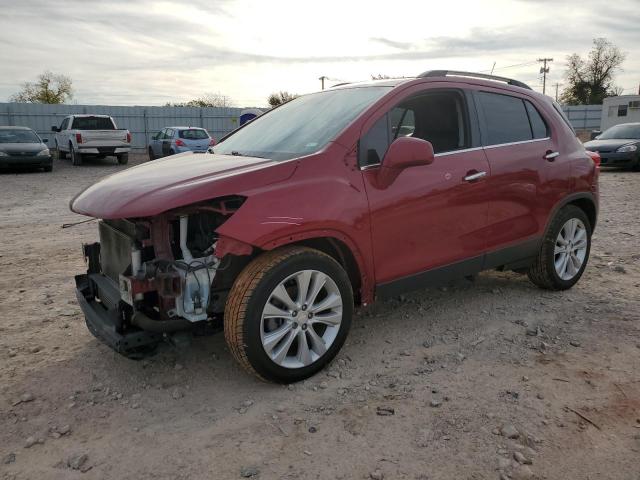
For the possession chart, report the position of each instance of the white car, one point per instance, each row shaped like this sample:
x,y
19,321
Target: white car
x,y
96,135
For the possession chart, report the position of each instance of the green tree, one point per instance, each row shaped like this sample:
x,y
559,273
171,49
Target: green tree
x,y
48,88
590,80
278,98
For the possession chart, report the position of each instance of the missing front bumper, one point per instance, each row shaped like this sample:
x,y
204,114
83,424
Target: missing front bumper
x,y
105,322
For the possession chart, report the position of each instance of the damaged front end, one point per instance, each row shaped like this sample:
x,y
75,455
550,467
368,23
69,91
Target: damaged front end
x,y
151,278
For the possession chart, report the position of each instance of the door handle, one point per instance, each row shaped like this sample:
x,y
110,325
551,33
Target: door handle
x,y
474,176
551,156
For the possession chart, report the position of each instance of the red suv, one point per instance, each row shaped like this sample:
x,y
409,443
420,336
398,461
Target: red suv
x,y
330,201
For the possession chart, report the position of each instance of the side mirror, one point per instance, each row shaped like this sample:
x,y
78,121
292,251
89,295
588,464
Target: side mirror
x,y
45,140
403,153
55,129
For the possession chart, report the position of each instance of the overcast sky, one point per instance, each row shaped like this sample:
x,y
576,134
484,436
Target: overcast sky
x,y
140,52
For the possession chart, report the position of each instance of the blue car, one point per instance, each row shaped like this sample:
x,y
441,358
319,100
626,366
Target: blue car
x,y
172,140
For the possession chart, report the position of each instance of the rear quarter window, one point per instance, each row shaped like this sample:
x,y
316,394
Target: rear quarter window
x,y
539,127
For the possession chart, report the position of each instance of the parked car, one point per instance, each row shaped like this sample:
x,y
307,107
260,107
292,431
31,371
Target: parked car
x,y
330,201
81,136
172,140
22,147
618,146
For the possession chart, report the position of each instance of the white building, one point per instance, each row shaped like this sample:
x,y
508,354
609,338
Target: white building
x,y
621,109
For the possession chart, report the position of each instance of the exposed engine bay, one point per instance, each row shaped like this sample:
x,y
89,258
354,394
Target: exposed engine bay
x,y
159,275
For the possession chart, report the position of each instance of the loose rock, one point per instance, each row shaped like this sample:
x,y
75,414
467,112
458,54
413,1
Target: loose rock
x,y
509,431
376,475
248,472
78,461
9,458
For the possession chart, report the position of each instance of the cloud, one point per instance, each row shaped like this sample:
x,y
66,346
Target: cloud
x,y
146,51
391,43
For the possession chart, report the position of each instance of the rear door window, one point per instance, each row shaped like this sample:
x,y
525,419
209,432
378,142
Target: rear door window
x,y
505,118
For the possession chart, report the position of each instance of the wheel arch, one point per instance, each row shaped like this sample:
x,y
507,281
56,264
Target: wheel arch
x,y
585,201
335,244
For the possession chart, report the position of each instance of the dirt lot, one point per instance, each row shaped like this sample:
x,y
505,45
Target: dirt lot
x,y
428,386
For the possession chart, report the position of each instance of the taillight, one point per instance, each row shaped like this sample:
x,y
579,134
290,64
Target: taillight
x,y
212,142
128,137
78,138
179,143
595,156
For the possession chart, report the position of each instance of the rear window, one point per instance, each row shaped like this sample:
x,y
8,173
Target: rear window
x,y
92,123
193,134
506,118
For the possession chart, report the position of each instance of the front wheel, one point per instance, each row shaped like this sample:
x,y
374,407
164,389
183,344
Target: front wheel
x,y
288,314
564,251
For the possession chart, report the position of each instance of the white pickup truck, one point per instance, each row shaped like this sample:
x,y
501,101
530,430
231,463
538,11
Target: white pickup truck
x,y
95,135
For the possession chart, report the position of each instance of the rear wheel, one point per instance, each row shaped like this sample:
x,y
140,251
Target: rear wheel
x,y
76,158
288,314
123,158
564,252
151,154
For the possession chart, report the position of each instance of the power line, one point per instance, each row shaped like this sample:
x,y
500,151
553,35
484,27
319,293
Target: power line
x,y
510,66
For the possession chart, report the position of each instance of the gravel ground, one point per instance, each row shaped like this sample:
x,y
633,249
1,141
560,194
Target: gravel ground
x,y
490,379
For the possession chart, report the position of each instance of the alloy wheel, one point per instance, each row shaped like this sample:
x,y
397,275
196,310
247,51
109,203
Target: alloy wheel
x,y
301,319
570,249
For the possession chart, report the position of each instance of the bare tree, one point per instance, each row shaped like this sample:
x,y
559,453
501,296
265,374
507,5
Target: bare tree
x,y
591,80
206,100
278,98
48,88
380,76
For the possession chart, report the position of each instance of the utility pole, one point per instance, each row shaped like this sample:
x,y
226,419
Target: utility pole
x,y
556,85
322,79
544,70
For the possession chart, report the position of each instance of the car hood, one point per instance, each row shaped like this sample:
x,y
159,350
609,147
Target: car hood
x,y
22,147
608,145
176,181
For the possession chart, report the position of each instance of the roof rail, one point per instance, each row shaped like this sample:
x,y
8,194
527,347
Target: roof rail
x,y
444,73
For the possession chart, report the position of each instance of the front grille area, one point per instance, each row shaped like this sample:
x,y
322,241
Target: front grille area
x,y
115,251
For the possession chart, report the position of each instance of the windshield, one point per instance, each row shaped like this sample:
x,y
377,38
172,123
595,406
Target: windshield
x,y
301,126
93,123
621,132
193,134
18,136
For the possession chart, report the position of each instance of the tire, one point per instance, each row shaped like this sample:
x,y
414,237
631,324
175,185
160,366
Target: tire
x,y
550,263
61,155
48,168
171,152
76,158
123,158
254,289
151,155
